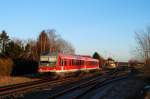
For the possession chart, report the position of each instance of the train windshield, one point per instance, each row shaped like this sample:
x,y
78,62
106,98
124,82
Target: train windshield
x,y
48,60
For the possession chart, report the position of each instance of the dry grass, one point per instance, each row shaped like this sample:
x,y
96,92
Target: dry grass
x,y
7,80
6,66
146,71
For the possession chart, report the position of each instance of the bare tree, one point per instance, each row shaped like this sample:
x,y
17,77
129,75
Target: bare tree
x,y
57,43
43,43
52,37
64,46
143,41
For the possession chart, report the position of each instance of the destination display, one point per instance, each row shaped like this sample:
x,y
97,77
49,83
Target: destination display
x,y
44,59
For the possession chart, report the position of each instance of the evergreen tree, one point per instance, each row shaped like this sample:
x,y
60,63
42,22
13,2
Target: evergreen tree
x,y
97,56
14,50
4,39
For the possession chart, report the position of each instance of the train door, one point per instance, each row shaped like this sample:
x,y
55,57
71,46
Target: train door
x,y
62,64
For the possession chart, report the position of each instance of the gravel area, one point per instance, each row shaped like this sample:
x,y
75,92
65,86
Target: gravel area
x,y
130,88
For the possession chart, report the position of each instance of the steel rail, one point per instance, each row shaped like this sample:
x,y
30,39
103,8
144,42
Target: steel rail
x,y
98,85
30,86
93,83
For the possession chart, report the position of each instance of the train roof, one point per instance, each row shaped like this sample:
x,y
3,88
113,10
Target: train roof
x,y
80,57
71,56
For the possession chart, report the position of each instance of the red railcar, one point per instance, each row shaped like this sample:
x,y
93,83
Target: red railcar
x,y
57,62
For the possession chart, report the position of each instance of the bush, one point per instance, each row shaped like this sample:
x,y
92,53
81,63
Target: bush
x,y
6,66
146,70
24,66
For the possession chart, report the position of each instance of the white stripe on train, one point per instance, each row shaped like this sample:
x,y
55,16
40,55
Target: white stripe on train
x,y
71,70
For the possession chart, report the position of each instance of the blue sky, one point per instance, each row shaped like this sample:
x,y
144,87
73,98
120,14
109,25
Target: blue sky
x,y
105,26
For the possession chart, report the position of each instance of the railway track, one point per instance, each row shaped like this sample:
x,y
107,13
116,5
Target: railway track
x,y
19,89
11,91
78,91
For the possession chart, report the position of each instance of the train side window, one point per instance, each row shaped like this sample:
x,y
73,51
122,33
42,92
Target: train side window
x,y
87,63
83,62
74,62
65,62
77,62
70,62
62,62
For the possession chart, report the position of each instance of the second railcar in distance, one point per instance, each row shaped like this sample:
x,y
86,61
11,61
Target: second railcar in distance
x,y
58,62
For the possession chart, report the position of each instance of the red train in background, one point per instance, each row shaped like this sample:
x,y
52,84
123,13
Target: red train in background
x,y
58,62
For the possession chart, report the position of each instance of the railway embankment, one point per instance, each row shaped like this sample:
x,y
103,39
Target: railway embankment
x,y
132,87
144,75
9,80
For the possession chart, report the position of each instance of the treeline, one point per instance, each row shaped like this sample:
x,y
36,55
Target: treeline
x,y
18,57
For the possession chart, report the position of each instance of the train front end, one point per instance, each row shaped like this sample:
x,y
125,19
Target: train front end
x,y
47,63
